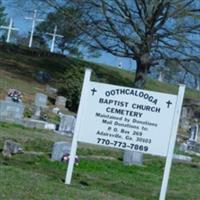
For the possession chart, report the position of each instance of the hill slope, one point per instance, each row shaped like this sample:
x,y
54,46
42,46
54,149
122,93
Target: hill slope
x,y
18,66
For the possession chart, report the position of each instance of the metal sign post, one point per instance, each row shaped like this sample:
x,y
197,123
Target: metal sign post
x,y
77,127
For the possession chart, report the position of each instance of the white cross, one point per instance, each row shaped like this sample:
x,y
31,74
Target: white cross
x,y
54,38
34,19
10,28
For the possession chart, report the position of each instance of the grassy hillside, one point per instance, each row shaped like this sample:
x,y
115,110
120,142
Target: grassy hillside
x,y
18,66
100,174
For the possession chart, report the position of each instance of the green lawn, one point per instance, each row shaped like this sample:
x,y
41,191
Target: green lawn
x,y
26,176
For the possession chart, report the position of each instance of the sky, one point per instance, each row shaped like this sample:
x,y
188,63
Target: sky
x,y
105,58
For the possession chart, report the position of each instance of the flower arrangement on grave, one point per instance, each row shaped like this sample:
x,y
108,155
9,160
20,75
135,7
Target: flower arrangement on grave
x,y
15,95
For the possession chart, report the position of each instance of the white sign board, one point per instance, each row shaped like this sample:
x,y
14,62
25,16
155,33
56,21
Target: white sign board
x,y
127,118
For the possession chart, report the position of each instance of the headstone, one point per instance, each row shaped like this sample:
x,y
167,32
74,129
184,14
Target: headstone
x,y
132,158
183,147
51,91
198,85
11,148
184,112
60,101
60,149
33,123
41,100
67,124
161,77
11,111
194,133
182,158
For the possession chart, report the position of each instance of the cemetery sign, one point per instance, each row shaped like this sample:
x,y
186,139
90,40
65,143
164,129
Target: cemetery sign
x,y
127,118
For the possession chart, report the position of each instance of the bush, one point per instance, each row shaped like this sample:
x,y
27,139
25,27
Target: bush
x,y
72,87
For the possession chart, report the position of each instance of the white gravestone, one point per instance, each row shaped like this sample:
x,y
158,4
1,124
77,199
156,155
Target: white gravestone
x,y
183,147
60,101
160,77
40,102
131,157
11,111
51,91
59,149
194,133
67,124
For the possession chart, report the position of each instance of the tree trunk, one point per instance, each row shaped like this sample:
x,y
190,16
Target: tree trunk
x,y
131,157
141,74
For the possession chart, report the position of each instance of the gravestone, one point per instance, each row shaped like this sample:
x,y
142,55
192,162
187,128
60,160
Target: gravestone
x,y
183,147
182,158
11,111
59,149
10,147
51,91
161,77
194,132
60,101
193,137
40,102
184,120
132,158
67,124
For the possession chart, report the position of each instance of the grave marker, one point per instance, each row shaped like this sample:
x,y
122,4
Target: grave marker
x,y
129,119
60,101
67,123
40,102
194,133
11,111
59,149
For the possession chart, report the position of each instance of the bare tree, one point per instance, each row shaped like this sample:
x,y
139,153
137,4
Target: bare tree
x,y
147,31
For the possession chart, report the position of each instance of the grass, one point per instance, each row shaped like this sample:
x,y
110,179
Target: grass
x,y
100,174
18,66
26,176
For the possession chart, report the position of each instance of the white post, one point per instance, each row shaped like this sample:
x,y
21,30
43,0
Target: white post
x,y
172,142
34,19
54,34
10,28
78,121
